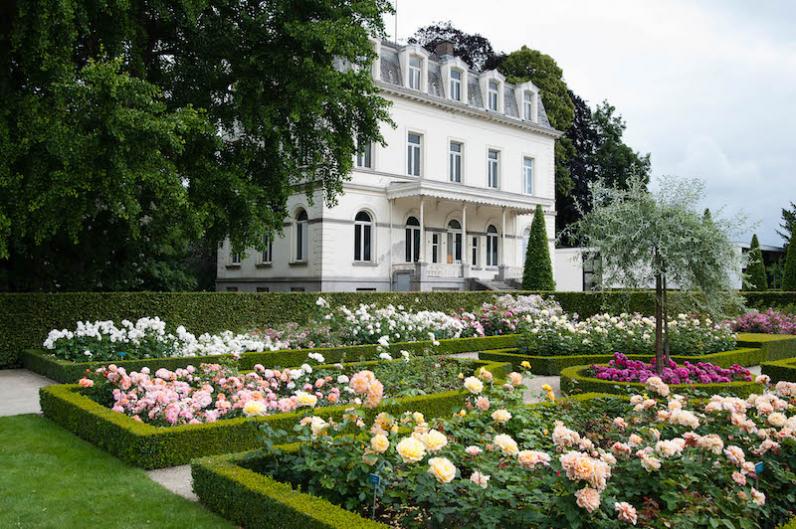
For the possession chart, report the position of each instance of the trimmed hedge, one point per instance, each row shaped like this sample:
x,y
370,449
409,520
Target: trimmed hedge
x,y
149,446
553,365
26,318
574,380
229,486
780,370
67,372
776,346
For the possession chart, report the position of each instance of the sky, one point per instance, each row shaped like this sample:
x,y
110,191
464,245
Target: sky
x,y
708,88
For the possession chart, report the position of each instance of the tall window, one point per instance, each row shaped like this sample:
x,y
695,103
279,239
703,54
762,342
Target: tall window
x,y
365,156
435,247
235,258
268,252
414,72
414,144
491,246
527,105
455,159
474,260
524,246
363,237
493,167
493,95
454,242
456,85
412,240
301,235
527,175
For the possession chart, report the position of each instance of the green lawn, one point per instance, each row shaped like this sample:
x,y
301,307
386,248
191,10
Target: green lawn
x,y
51,479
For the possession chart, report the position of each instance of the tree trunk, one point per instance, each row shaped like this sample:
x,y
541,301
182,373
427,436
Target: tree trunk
x,y
665,311
659,353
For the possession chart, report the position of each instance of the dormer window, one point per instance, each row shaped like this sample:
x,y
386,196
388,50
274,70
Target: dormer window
x,y
415,72
456,85
493,94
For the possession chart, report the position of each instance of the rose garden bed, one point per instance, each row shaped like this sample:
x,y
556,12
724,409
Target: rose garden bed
x,y
145,445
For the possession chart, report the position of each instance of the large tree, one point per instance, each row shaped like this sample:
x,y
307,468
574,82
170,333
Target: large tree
x,y
755,268
660,239
131,131
472,48
788,225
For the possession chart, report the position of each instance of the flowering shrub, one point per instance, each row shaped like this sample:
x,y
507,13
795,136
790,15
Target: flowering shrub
x,y
507,313
146,338
626,333
770,322
659,461
622,369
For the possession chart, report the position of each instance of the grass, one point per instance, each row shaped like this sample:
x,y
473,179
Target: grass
x,y
52,479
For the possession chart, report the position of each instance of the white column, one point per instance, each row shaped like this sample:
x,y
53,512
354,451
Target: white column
x,y
422,231
502,257
389,270
464,234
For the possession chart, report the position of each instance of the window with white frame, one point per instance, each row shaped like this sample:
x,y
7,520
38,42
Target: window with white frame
x,y
474,260
268,250
435,247
527,175
414,153
491,246
235,258
363,237
455,161
527,105
454,242
493,167
301,236
365,156
493,94
456,85
414,72
412,240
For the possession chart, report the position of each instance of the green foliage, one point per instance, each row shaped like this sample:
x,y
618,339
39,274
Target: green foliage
x,y
148,446
788,223
755,269
473,49
575,380
130,132
53,480
538,271
780,370
789,274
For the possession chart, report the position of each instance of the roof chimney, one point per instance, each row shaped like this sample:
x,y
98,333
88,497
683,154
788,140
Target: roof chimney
x,y
443,48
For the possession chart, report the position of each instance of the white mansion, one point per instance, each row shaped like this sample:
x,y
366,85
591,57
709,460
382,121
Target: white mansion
x,y
446,205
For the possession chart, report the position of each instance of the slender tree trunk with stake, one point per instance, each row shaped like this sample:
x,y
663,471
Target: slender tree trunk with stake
x,y
658,316
665,310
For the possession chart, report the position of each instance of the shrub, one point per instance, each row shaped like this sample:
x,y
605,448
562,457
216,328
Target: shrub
x,y
768,322
789,273
538,271
623,369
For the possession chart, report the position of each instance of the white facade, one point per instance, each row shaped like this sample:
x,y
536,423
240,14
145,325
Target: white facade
x,y
446,204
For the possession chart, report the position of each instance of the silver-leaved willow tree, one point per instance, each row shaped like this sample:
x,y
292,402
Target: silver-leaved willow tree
x,y
641,238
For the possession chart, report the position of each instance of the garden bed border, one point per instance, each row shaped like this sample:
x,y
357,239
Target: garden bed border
x,y
776,346
67,372
780,370
575,381
149,446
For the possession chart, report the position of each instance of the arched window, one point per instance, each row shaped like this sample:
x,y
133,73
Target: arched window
x,y
412,240
301,235
454,242
363,236
491,246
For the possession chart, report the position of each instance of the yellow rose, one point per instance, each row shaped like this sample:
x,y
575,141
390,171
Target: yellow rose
x,y
473,385
526,364
501,416
318,426
442,469
379,443
418,417
411,450
305,399
434,440
254,407
506,444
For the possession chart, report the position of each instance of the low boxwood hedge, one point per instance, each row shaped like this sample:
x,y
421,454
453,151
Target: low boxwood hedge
x,y
149,446
776,346
575,380
553,365
67,372
229,486
780,370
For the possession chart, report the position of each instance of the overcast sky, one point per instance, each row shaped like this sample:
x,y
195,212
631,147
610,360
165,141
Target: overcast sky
x,y
708,88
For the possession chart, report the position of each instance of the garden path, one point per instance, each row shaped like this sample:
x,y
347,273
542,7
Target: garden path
x,y
19,391
176,479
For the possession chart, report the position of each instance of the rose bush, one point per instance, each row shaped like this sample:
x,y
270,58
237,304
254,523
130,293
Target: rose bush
x,y
770,322
656,461
622,369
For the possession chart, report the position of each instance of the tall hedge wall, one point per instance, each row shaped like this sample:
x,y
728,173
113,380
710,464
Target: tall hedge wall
x,y
25,319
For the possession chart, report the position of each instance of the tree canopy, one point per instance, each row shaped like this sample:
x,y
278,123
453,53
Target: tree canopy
x,y
472,48
131,131
788,225
756,278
